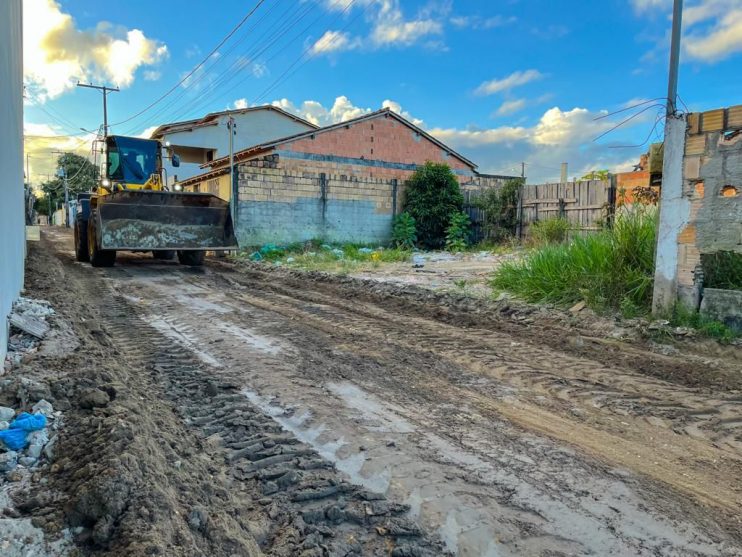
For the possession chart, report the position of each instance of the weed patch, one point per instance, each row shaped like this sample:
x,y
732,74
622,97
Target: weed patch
x,y
609,270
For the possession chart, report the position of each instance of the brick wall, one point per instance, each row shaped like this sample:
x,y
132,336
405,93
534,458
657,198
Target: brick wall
x,y
382,139
712,188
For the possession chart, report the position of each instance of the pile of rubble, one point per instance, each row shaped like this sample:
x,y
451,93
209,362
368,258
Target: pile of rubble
x,y
28,325
38,443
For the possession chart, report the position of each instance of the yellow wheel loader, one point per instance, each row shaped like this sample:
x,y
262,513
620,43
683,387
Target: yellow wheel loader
x,y
132,209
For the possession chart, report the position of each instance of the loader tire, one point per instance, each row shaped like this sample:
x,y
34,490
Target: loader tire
x,y
98,257
165,255
191,258
81,240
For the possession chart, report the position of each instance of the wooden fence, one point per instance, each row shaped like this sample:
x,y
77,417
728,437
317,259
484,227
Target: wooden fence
x,y
587,205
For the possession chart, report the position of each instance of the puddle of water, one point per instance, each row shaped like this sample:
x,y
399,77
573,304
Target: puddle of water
x,y
184,340
264,344
358,399
351,465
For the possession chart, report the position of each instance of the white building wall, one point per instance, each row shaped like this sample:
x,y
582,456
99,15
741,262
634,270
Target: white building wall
x,y
253,128
12,223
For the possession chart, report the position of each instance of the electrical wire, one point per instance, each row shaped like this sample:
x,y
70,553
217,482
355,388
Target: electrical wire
x,y
201,63
622,122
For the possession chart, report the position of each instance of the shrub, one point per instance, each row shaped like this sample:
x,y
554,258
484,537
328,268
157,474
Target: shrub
x,y
458,232
432,194
685,317
500,207
404,232
611,269
722,269
549,231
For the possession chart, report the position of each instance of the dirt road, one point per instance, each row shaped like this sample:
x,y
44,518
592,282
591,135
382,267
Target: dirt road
x,y
486,432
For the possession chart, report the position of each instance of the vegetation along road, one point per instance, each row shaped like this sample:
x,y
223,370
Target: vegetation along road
x,y
270,411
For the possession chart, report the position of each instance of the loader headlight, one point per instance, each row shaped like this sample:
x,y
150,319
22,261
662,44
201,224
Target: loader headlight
x,y
105,182
178,187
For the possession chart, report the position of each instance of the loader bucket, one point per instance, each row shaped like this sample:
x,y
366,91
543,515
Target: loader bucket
x,y
161,220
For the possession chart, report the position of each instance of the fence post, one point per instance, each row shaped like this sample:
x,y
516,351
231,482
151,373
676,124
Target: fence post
x,y
519,214
394,197
323,195
611,201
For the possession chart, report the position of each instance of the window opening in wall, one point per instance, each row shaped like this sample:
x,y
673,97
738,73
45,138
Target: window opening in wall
x,y
210,155
729,191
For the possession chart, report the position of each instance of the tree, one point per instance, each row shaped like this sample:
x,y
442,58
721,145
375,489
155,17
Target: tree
x,y
432,195
596,175
82,175
500,207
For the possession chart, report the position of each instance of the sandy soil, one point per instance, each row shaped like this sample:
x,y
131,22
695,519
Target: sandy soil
x,y
264,410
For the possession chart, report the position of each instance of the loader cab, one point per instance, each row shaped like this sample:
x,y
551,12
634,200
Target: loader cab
x,y
133,163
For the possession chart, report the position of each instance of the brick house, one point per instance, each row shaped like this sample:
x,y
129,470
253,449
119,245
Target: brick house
x,y
343,182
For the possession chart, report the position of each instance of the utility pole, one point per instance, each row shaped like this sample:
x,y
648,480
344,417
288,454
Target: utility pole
x,y
63,172
105,91
232,127
564,178
673,211
672,82
523,170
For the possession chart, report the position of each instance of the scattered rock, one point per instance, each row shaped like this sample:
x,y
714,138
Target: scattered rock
x,y
49,448
6,414
43,407
27,461
198,519
33,391
94,398
578,307
4,425
8,461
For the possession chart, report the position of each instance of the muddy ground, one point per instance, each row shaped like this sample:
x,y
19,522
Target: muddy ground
x,y
239,410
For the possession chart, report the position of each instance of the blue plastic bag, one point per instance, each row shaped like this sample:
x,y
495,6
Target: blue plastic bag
x,y
15,436
28,422
14,439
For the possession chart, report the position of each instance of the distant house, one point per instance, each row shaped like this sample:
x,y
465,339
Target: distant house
x,y
342,182
202,140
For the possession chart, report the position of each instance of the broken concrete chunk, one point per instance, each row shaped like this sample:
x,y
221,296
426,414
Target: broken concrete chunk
x,y
43,407
8,461
4,425
578,307
27,461
33,391
29,324
6,414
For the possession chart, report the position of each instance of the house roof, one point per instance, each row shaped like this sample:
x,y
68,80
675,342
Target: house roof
x,y
212,118
257,149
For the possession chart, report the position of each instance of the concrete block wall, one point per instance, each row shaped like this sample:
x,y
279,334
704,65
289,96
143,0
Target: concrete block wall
x,y
284,205
712,191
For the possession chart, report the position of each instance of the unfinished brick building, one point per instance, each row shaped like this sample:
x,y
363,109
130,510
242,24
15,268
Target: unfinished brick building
x,y
710,212
343,182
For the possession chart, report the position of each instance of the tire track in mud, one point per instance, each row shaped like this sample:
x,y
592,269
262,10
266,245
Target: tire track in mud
x,y
305,507
370,349
500,357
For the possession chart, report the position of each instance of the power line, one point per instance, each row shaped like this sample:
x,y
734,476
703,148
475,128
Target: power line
x,y
189,74
272,34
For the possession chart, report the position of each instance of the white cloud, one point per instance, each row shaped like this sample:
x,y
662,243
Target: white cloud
x,y
389,26
515,79
712,29
480,137
478,22
511,107
721,41
56,54
39,142
152,75
241,103
331,41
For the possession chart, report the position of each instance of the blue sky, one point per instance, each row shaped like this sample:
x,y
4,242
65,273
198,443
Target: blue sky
x,y
502,82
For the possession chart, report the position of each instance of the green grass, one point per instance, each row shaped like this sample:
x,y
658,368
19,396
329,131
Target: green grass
x,y
684,317
722,269
610,270
316,255
549,231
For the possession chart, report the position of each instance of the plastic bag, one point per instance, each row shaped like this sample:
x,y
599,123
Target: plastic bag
x,y
15,437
